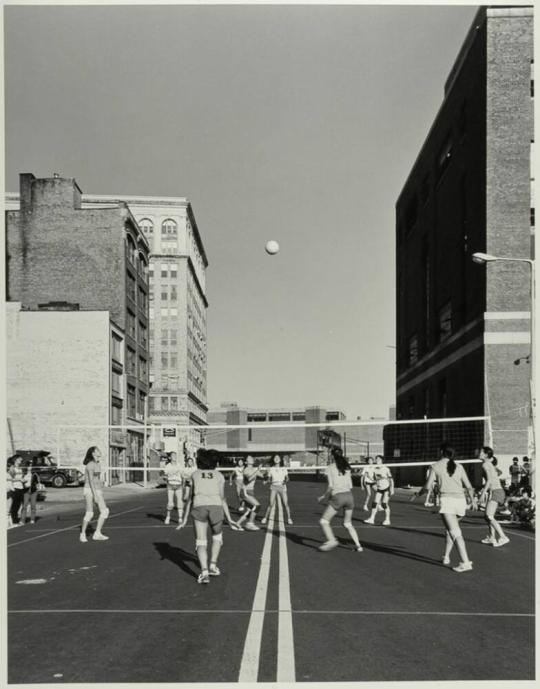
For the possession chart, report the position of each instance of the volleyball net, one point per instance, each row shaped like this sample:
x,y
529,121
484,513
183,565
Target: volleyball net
x,y
137,453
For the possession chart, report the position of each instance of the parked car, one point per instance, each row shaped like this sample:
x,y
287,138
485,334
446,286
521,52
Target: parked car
x,y
48,471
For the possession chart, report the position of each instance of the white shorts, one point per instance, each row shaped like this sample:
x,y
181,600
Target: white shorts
x,y
453,504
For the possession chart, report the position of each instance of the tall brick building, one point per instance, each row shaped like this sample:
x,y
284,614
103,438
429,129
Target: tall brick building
x,y
178,304
61,254
461,326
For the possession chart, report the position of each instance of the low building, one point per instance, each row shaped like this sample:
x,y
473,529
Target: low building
x,y
64,368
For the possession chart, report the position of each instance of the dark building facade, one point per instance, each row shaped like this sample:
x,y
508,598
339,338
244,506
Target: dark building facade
x,y
460,325
94,260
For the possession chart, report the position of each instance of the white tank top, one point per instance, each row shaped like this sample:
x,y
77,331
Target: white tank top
x,y
339,483
449,485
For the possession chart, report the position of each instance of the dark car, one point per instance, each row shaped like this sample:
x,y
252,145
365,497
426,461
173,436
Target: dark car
x,y
48,471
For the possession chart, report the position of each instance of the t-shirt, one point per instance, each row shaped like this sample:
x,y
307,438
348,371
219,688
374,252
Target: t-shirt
x,y
382,475
338,483
491,475
449,485
367,473
239,474
250,476
173,474
207,487
187,473
278,475
93,469
515,472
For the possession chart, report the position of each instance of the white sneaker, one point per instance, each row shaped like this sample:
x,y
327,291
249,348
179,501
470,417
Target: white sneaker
x,y
263,520
487,540
82,538
214,571
328,545
463,567
386,522
100,537
167,519
359,549
251,527
446,560
240,509
501,541
203,578
369,521
289,521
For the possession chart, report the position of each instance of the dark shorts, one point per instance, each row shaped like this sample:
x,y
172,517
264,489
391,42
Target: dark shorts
x,y
212,514
342,500
498,495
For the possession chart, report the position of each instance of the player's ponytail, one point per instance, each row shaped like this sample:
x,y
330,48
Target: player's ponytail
x,y
340,460
449,453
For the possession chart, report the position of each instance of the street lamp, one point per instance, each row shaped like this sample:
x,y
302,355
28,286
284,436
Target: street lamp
x,y
488,258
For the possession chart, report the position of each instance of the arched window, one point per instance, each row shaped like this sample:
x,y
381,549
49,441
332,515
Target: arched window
x,y
143,266
147,226
169,228
131,249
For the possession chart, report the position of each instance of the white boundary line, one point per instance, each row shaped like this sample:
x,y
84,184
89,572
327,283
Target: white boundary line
x,y
170,611
286,671
249,666
67,528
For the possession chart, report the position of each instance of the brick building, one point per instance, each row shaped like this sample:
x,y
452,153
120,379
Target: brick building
x,y
461,326
178,303
267,435
59,253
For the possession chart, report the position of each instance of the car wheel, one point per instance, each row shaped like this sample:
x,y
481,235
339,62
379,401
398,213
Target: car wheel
x,y
59,481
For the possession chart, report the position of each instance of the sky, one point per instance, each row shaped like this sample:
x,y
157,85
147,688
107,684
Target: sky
x,y
293,123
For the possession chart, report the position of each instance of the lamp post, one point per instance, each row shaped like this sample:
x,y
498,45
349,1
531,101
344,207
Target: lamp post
x,y
482,259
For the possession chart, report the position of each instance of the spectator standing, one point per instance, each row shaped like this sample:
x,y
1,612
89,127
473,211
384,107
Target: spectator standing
x,y
17,489
31,483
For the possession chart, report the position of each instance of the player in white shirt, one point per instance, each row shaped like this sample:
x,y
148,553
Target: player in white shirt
x,y
189,469
367,481
278,476
338,495
173,473
384,489
238,475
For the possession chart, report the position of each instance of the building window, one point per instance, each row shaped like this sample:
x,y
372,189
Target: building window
x,y
299,416
445,322
173,340
164,360
173,311
279,416
131,401
174,270
141,404
164,270
444,157
332,416
131,325
169,228
117,349
131,362
413,350
143,334
164,293
116,416
143,369
174,295
131,287
151,404
164,337
256,418
147,226
116,384
164,404
532,79
131,250
174,403
142,299
174,382
174,361
532,217
250,434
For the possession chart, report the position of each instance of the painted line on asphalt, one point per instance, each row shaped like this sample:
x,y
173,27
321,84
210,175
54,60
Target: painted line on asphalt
x,y
170,611
286,671
67,528
249,666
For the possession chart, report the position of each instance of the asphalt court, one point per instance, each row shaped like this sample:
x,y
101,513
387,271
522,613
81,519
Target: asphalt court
x,y
130,610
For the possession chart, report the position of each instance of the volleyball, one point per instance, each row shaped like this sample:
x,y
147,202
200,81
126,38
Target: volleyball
x,y
272,247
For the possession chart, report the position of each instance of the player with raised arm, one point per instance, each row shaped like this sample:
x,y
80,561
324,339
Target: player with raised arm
x,y
339,496
384,489
278,476
208,506
494,496
251,472
452,482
